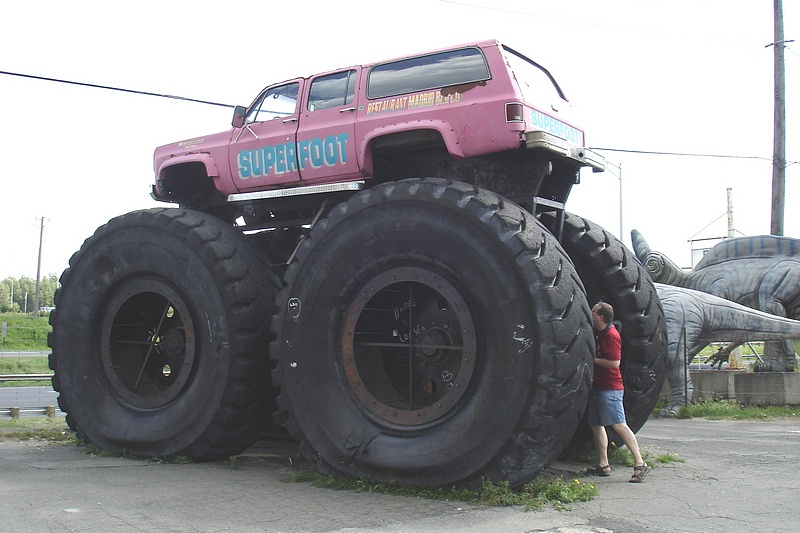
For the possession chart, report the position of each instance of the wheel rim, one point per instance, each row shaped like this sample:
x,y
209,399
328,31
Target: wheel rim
x,y
147,344
409,346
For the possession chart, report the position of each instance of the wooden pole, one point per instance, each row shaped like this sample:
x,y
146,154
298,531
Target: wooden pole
x,y
779,145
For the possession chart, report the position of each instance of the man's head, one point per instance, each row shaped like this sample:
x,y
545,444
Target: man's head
x,y
602,315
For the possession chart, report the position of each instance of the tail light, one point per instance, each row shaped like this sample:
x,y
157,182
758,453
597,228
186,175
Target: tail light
x,y
515,112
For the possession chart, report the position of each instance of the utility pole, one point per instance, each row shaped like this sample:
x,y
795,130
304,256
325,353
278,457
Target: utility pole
x,y
779,145
38,269
730,213
621,236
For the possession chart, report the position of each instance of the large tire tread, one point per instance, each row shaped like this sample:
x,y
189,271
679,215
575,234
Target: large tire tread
x,y
246,286
612,273
558,394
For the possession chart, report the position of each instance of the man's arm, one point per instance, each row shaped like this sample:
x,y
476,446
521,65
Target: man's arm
x,y
606,362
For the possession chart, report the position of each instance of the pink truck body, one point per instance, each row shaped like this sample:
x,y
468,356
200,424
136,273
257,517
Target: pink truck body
x,y
293,136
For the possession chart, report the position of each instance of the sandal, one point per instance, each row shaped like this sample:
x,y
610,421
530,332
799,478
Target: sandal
x,y
602,471
639,473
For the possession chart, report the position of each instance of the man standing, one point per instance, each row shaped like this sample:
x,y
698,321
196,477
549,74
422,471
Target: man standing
x,y
605,401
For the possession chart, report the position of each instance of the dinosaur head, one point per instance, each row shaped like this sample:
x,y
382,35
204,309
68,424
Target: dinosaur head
x,y
660,268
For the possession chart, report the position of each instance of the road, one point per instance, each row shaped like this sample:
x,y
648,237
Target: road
x,y
737,476
27,397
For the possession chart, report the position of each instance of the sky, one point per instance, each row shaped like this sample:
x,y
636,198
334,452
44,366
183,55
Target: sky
x,y
687,77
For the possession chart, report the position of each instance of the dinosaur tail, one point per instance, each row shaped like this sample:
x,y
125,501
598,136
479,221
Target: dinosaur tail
x,y
640,246
732,322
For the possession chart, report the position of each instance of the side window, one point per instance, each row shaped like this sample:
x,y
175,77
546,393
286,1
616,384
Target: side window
x,y
333,90
276,102
536,84
443,69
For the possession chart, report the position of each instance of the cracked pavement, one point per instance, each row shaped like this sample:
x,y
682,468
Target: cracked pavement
x,y
737,476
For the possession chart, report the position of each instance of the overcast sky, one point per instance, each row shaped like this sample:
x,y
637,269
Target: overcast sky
x,y
684,76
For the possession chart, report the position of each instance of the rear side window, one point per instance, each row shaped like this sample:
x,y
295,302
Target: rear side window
x,y
443,69
535,82
333,90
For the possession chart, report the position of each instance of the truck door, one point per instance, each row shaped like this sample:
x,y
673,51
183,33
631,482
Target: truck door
x,y
263,152
326,147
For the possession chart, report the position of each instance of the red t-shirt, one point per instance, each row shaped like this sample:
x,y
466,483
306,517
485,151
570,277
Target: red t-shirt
x,y
609,346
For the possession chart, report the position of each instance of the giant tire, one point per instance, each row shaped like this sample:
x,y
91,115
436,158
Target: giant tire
x,y
160,337
611,273
501,371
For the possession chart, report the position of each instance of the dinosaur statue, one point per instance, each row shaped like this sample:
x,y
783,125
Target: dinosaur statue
x,y
761,272
694,319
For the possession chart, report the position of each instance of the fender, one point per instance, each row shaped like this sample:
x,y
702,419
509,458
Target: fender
x,y
444,129
224,186
205,158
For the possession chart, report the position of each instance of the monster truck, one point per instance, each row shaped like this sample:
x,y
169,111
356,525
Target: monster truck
x,y
377,258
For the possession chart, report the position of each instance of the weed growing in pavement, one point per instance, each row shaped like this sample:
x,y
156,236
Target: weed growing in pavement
x,y
49,435
36,428
535,495
94,450
652,458
620,456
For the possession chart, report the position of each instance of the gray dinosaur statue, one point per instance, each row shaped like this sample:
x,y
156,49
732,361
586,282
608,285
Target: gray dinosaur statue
x,y
761,272
694,319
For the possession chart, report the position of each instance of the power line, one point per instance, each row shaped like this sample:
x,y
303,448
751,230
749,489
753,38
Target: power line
x,y
685,154
82,84
185,99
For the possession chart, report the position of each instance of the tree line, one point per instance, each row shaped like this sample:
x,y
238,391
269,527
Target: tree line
x,y
18,295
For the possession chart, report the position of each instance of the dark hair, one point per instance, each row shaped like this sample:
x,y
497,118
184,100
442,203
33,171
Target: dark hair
x,y
605,311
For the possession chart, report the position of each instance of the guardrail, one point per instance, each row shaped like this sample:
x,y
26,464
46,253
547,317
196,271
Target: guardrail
x,y
16,412
25,377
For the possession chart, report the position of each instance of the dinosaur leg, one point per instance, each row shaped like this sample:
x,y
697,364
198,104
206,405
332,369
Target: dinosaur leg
x,y
778,357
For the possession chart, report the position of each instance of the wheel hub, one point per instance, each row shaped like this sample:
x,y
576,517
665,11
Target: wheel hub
x,y
147,343
409,346
431,349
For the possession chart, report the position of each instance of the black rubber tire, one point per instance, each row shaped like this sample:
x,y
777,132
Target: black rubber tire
x,y
501,373
611,273
160,337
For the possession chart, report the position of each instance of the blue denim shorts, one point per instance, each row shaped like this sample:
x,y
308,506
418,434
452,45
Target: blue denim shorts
x,y
605,407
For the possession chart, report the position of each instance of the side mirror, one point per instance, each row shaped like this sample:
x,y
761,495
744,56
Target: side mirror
x,y
239,116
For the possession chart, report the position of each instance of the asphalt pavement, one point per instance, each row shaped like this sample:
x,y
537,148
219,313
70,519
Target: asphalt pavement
x,y
737,476
25,397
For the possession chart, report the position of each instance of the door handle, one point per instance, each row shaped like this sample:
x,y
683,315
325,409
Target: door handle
x,y
347,109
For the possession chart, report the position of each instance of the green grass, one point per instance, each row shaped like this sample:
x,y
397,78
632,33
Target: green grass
x,y
650,456
55,430
730,410
25,332
40,428
24,365
620,456
536,495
